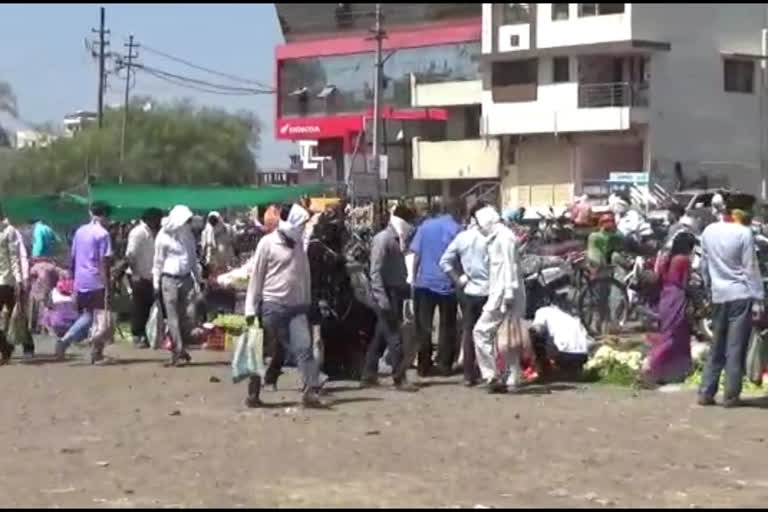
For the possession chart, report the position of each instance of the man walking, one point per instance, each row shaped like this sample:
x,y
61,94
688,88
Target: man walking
x,y
91,255
140,254
389,287
279,295
730,264
433,288
498,332
176,274
11,280
465,260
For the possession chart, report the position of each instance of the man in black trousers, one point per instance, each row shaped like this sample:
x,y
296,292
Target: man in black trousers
x,y
140,254
466,262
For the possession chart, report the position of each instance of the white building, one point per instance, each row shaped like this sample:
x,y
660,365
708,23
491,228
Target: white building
x,y
32,139
576,91
76,121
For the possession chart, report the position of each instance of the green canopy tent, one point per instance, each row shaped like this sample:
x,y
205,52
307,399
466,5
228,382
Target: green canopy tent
x,y
129,201
53,210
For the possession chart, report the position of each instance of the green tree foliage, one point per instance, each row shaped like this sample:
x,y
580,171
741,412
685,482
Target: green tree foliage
x,y
176,143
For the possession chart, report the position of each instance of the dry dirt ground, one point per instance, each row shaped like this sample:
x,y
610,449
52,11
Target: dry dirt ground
x,y
137,434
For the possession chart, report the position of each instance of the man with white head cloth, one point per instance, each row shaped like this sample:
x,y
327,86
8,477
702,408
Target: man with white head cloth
x,y
279,295
498,331
175,275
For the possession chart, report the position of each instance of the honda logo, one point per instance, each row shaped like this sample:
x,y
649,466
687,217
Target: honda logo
x,y
288,129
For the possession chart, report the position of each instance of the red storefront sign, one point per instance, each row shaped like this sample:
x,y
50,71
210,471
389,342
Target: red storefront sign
x,y
314,128
318,127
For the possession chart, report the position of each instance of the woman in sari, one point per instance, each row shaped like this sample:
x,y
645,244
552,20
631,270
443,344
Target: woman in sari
x,y
670,358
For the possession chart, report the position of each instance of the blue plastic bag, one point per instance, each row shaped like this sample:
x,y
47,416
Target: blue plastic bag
x,y
248,357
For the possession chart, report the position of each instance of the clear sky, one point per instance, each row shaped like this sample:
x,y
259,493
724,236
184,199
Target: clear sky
x,y
43,56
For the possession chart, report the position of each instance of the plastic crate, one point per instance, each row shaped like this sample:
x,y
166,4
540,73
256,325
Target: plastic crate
x,y
215,339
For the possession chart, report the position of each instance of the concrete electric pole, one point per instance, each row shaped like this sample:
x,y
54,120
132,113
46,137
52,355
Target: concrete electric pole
x,y
378,35
128,59
103,43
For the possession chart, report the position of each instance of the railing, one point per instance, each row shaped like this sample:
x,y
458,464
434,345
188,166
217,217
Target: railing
x,y
617,94
487,191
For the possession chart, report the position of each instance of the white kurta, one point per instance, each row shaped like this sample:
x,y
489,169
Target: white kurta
x,y
499,330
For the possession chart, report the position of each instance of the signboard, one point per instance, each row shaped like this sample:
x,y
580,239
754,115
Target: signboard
x,y
383,167
317,127
631,178
380,167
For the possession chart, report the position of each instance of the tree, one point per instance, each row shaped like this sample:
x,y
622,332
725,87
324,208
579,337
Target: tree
x,y
175,143
8,101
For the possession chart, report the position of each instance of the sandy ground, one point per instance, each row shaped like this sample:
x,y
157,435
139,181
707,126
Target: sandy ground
x,y
137,434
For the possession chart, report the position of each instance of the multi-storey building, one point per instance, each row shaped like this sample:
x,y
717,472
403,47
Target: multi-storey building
x,y
430,92
577,91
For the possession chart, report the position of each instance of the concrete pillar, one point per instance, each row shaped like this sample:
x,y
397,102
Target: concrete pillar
x,y
445,191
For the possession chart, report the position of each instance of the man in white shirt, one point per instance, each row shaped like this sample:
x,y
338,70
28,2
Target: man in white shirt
x,y
176,274
498,333
140,254
558,336
465,260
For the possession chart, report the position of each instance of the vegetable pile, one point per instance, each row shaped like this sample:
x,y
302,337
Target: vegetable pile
x,y
230,322
611,366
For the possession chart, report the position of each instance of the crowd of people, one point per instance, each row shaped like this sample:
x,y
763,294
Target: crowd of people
x,y
464,263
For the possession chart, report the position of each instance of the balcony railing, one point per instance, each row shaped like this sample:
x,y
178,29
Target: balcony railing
x,y
617,94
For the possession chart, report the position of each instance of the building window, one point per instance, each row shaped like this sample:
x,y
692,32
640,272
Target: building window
x,y
343,84
515,73
600,9
472,116
739,75
559,12
515,14
560,71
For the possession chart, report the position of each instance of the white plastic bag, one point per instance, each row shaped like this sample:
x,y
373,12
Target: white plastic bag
x,y
248,358
103,328
757,357
155,328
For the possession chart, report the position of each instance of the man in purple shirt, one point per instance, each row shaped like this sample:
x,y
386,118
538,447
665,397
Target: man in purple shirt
x,y
432,288
91,253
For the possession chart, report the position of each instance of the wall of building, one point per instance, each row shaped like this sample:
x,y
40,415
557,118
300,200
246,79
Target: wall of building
x,y
455,159
466,92
555,110
542,174
692,119
586,30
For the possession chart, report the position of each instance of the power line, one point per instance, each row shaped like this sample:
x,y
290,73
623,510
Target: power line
x,y
194,87
229,76
214,87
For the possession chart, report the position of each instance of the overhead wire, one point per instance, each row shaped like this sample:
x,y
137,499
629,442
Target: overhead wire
x,y
229,76
197,83
185,84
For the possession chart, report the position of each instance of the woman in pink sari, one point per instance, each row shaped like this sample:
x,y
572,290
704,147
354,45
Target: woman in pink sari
x,y
670,358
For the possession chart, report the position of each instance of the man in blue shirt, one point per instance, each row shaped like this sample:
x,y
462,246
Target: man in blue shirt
x,y
434,288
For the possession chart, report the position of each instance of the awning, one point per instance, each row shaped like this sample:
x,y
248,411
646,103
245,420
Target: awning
x,y
141,197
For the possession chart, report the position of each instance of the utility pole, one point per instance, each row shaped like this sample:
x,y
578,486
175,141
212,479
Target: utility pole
x,y
128,58
378,35
103,43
